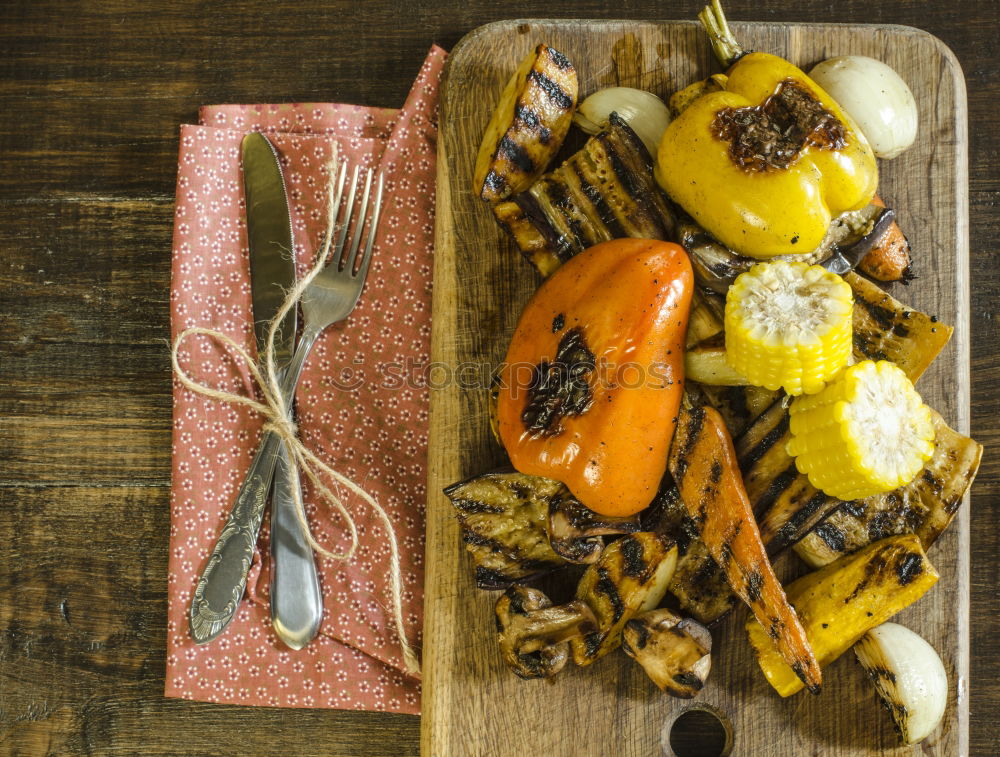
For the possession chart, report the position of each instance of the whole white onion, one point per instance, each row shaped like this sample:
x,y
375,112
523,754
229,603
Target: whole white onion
x,y
875,96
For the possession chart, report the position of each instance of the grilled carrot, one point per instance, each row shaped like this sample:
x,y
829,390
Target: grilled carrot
x,y
703,464
889,260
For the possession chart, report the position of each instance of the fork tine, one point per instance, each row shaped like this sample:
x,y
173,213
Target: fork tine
x,y
338,249
341,177
338,194
372,231
359,226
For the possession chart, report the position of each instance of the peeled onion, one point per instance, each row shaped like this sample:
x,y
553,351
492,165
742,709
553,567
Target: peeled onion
x,y
875,97
646,114
908,676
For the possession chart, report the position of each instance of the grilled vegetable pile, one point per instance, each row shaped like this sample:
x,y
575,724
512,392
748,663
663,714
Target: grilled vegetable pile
x,y
703,380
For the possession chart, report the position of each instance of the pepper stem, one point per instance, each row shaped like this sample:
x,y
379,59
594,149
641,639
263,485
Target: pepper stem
x,y
726,48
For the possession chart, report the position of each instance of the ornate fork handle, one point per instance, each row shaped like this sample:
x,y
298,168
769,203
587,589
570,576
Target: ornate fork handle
x,y
224,579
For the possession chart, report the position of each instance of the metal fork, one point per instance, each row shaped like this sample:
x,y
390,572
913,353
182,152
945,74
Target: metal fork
x,y
296,601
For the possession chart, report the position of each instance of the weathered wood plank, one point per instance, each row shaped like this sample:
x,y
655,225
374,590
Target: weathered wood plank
x,y
98,413
84,272
131,74
81,651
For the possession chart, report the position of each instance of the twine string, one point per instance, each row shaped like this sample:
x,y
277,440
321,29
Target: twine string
x,y
278,420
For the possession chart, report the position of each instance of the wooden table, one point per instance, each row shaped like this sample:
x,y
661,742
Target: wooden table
x,y
92,94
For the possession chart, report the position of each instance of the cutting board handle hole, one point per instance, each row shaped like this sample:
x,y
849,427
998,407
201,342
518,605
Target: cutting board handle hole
x,y
699,731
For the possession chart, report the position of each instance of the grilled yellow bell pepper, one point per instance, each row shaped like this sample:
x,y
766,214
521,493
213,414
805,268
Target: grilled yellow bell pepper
x,y
765,163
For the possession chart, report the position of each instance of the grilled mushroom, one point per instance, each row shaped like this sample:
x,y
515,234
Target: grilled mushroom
x,y
575,531
850,237
674,652
534,634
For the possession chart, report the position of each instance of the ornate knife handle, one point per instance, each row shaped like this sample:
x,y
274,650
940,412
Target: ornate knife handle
x,y
224,578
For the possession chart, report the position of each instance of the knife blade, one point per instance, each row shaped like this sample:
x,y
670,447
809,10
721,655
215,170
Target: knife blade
x,y
269,232
272,266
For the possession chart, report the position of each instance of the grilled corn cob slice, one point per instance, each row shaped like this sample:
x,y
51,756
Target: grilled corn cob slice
x,y
866,433
788,325
925,506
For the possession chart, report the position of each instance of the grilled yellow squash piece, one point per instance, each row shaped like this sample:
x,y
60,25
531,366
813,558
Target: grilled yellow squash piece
x,y
885,329
842,602
630,578
528,125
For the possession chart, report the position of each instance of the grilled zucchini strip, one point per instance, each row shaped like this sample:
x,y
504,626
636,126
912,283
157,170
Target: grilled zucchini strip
x,y
605,191
925,506
885,329
703,464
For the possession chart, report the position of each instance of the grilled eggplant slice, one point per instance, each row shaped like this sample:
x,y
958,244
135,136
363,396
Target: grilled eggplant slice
x,y
528,125
605,191
924,507
885,329
503,517
630,578
576,532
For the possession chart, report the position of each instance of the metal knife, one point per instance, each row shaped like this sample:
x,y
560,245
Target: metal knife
x,y
272,267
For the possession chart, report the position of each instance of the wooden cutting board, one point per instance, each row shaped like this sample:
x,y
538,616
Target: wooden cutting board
x,y
472,704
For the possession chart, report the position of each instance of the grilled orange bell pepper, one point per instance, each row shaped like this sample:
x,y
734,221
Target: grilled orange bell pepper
x,y
592,382
767,162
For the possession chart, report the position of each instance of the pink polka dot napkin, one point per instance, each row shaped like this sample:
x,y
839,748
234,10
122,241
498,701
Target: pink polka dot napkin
x,y
361,403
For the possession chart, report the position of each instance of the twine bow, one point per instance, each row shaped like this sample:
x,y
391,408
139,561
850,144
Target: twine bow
x,y
278,420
